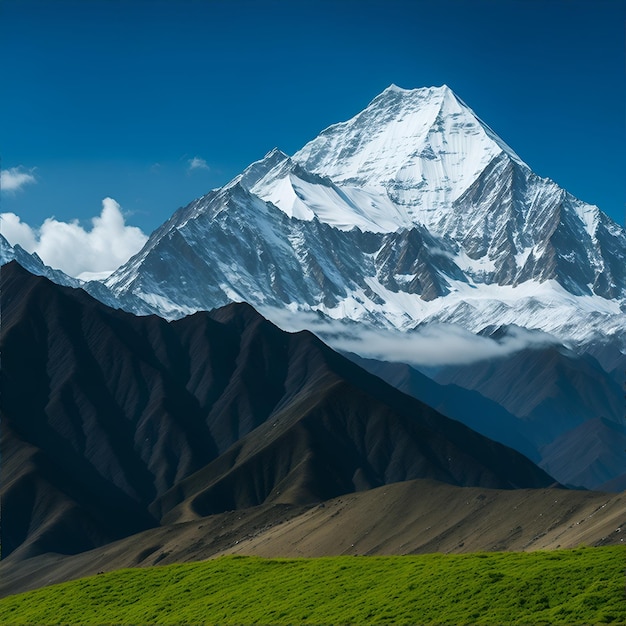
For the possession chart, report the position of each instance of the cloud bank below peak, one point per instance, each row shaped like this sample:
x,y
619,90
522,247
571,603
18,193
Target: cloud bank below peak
x,y
433,345
85,253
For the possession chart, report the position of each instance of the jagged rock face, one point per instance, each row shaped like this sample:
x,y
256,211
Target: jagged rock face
x,y
426,151
33,263
413,261
243,249
406,213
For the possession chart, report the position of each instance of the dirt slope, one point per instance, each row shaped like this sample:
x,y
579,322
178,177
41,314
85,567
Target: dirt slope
x,y
417,516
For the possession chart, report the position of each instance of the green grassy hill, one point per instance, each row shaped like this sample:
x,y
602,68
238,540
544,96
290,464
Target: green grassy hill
x,y
582,586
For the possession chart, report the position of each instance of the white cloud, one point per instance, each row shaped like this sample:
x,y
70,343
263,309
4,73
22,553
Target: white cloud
x,y
437,344
16,232
198,164
78,251
15,178
432,345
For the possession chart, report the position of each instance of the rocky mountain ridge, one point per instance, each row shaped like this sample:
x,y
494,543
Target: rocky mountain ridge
x,y
412,212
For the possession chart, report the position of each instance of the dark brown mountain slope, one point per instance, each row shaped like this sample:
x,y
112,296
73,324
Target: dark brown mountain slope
x,y
112,423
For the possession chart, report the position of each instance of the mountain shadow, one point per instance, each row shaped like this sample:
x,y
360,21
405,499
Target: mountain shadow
x,y
113,424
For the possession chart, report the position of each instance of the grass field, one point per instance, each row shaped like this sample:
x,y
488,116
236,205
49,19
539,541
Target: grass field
x,y
582,586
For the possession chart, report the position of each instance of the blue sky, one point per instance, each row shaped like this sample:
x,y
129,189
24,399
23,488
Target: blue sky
x,y
112,98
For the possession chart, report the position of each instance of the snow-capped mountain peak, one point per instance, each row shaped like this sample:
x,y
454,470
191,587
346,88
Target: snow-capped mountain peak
x,y
401,162
423,147
411,211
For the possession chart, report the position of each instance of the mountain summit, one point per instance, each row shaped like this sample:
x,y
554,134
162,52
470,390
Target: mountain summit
x,y
412,211
409,153
423,147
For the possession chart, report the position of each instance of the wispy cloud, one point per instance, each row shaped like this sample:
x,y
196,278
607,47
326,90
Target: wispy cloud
x,y
432,345
197,163
78,251
15,178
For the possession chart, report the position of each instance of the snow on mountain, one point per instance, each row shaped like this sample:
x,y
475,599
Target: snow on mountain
x,y
423,157
409,153
306,196
412,211
423,147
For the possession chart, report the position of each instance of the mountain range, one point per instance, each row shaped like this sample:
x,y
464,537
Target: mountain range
x,y
411,212
413,222
166,403
113,424
119,431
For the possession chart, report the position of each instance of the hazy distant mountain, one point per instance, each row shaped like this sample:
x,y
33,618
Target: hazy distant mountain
x,y
561,410
568,405
113,423
412,211
550,385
